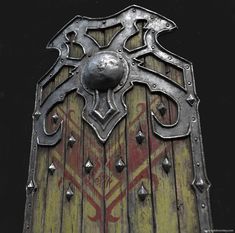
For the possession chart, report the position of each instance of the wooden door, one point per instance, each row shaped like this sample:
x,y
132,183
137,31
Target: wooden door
x,y
116,142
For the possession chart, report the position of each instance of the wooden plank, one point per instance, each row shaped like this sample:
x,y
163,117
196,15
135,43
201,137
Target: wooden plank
x,y
186,200
55,192
164,195
116,182
140,212
72,209
93,184
41,173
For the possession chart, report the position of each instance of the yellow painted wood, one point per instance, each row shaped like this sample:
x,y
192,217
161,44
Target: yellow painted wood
x,y
41,174
140,212
54,195
72,210
40,195
187,207
116,185
93,184
164,194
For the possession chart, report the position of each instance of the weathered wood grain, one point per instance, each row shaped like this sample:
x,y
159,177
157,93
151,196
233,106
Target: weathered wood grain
x,y
164,194
186,200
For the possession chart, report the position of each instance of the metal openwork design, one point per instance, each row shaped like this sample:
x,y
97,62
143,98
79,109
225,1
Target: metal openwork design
x,y
104,73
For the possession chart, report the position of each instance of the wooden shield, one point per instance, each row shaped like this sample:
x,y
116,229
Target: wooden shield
x,y
116,141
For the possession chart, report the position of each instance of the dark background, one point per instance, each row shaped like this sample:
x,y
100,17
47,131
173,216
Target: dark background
x,y
205,36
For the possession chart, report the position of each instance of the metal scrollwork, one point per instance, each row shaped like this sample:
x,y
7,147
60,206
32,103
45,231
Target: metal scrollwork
x,y
105,73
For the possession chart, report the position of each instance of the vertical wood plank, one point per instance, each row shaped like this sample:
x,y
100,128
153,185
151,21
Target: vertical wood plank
x,y
54,196
164,195
41,173
116,182
93,184
187,208
72,209
140,212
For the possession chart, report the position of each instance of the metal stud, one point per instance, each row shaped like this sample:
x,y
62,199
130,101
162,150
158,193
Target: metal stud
x,y
71,141
31,186
88,166
52,168
120,164
142,192
201,185
166,164
69,193
55,118
140,137
37,114
191,100
162,109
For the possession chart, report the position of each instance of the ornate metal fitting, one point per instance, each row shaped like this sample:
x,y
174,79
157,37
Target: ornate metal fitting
x,y
105,73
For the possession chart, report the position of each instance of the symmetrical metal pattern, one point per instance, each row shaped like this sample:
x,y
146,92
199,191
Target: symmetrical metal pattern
x,y
102,77
118,69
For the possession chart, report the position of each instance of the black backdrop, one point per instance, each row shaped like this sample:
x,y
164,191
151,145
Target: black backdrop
x,y
205,36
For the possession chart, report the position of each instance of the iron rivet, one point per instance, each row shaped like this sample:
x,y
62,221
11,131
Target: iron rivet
x,y
69,193
71,141
120,164
120,58
51,75
203,205
166,164
198,164
196,139
153,47
133,63
62,60
142,192
167,24
154,85
52,168
61,96
140,137
151,17
193,119
187,67
189,83
37,114
133,10
121,83
119,50
153,31
55,118
104,22
88,166
170,57
162,109
27,226
191,100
